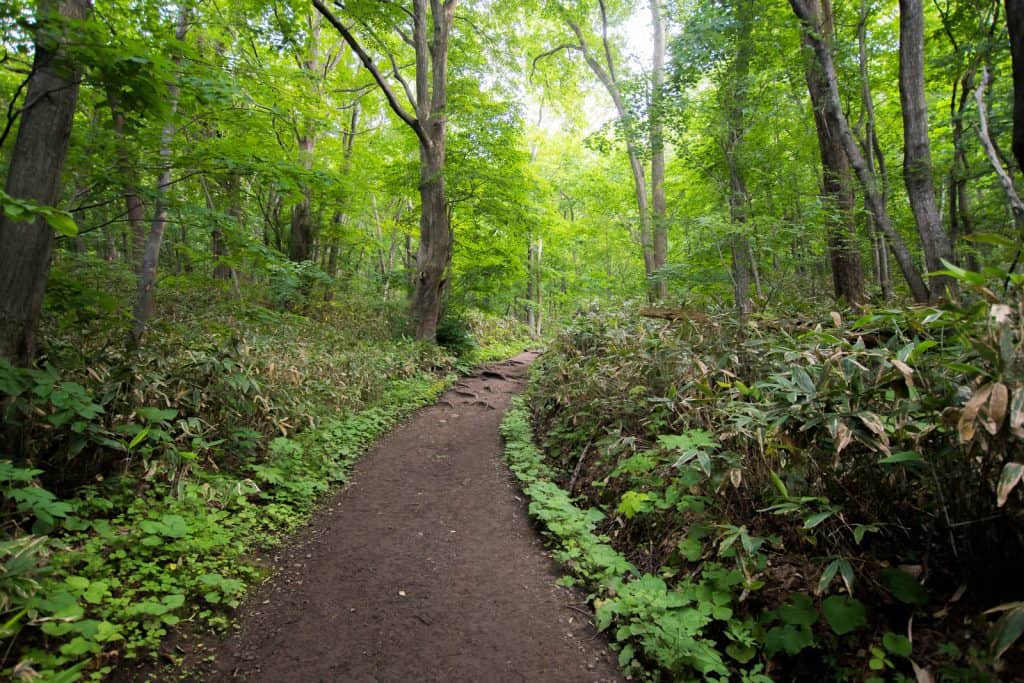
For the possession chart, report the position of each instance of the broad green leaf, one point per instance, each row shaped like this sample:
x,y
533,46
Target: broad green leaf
x,y
62,222
897,644
904,587
844,614
1009,627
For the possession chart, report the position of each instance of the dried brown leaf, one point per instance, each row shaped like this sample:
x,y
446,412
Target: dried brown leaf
x,y
966,425
997,404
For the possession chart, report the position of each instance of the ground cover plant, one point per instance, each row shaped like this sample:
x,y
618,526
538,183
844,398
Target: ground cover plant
x,y
844,491
150,477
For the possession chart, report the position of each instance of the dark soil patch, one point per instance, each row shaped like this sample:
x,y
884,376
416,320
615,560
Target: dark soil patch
x,y
425,567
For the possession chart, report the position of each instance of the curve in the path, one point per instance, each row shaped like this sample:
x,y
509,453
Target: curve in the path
x,y
423,568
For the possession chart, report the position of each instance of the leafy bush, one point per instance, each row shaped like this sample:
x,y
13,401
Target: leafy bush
x,y
869,466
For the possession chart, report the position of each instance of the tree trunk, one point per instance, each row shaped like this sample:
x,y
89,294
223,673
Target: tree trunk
x,y
658,203
1015,24
145,300
1013,200
917,157
837,120
435,252
37,160
873,152
606,74
300,241
742,267
837,181
430,103
132,202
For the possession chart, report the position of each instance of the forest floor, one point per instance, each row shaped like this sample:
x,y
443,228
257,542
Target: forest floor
x,y
424,567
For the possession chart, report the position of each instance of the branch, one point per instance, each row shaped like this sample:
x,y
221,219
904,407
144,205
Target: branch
x,y
1013,199
604,40
550,53
398,77
393,102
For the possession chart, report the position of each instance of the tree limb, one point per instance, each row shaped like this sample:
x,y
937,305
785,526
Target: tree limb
x,y
367,61
550,53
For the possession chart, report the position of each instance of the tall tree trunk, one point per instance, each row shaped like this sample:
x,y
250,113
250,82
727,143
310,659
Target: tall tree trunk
x,y
37,160
658,203
742,267
145,299
873,152
1015,24
432,23
300,240
837,181
917,157
1013,200
132,202
837,119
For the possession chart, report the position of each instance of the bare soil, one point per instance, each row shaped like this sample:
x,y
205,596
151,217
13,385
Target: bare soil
x,y
425,567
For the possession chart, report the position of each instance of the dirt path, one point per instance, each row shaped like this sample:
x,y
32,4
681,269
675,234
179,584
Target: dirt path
x,y
424,568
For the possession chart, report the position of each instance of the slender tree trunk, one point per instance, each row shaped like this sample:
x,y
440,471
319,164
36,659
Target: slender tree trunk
x,y
917,158
658,203
145,301
607,75
132,202
837,181
1015,24
872,151
1005,180
736,101
37,160
837,119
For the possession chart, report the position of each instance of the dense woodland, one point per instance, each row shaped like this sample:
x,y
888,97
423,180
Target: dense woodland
x,y
773,250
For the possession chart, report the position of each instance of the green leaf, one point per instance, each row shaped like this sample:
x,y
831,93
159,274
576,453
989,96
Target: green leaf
x,y
816,519
139,438
62,222
1011,475
779,486
156,414
787,638
904,587
1009,627
901,457
626,655
799,611
844,614
896,644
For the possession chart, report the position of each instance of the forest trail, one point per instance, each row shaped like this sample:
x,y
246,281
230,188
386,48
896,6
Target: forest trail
x,y
425,567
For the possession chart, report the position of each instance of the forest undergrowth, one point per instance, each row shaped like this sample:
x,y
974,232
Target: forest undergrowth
x,y
149,479
833,499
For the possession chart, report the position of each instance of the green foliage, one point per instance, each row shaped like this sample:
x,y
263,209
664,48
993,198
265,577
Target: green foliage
x,y
767,446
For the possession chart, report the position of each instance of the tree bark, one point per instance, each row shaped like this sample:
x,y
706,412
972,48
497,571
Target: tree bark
x,y
837,119
742,262
917,157
432,22
873,154
1015,24
658,203
145,300
37,160
134,209
837,181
